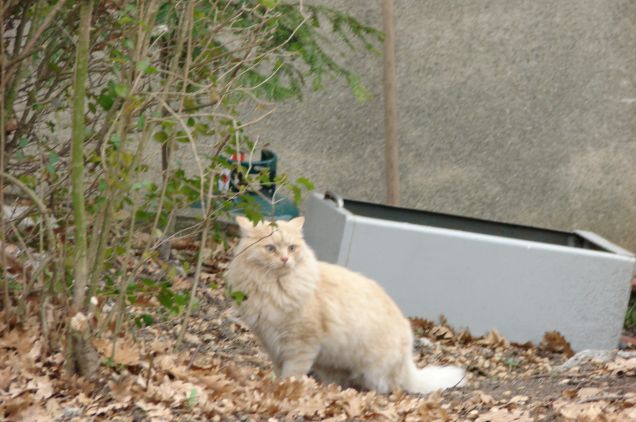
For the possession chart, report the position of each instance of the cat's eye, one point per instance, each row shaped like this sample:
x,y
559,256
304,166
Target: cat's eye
x,y
270,248
292,248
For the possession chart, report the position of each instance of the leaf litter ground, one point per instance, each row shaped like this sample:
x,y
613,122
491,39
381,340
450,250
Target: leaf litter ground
x,y
220,374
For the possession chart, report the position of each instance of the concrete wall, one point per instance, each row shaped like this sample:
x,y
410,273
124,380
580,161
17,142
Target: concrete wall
x,y
518,111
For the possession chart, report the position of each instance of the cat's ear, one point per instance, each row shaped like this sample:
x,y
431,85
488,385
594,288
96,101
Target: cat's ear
x,y
244,224
297,223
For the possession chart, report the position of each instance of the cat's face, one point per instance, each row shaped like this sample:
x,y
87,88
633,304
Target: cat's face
x,y
275,248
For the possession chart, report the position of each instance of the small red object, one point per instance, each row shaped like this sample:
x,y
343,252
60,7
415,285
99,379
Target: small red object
x,y
241,155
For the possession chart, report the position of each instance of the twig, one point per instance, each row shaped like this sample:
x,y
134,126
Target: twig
x,y
38,203
195,283
197,272
149,377
609,397
194,355
52,244
29,48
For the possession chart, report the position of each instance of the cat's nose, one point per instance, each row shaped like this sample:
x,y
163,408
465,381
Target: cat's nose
x,y
284,259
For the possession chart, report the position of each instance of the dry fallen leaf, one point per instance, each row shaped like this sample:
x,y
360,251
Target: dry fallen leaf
x,y
353,405
587,411
627,415
518,399
588,392
498,414
18,339
554,342
120,389
155,412
192,339
218,383
494,339
5,378
14,406
126,350
41,387
169,364
479,398
623,366
441,332
34,412
181,283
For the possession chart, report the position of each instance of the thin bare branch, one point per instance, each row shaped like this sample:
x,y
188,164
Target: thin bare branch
x,y
33,41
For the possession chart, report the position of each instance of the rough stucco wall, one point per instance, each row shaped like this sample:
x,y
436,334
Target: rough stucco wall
x,y
509,110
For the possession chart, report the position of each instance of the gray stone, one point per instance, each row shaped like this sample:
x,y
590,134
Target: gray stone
x,y
424,342
586,356
71,412
626,354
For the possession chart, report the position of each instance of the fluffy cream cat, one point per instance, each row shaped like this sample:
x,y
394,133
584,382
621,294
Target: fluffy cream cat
x,y
315,317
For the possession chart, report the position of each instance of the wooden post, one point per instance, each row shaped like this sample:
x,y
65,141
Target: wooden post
x,y
6,301
392,169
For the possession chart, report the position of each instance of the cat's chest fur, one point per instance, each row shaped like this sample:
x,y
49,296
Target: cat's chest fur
x,y
275,299
262,309
273,312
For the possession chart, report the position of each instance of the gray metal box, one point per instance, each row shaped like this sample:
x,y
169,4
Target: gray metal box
x,y
482,275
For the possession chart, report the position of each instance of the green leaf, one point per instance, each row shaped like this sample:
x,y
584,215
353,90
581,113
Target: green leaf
x,y
192,397
53,157
298,196
145,67
359,91
146,184
29,180
180,300
316,84
105,101
166,299
270,4
149,282
160,136
305,182
115,140
121,90
238,297
144,320
52,160
142,65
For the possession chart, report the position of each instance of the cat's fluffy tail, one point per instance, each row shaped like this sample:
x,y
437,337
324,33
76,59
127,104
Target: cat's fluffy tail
x,y
432,378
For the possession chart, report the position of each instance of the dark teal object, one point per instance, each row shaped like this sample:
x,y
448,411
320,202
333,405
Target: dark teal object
x,y
282,209
279,208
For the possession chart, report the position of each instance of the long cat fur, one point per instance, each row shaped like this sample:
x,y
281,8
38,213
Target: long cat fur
x,y
315,317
